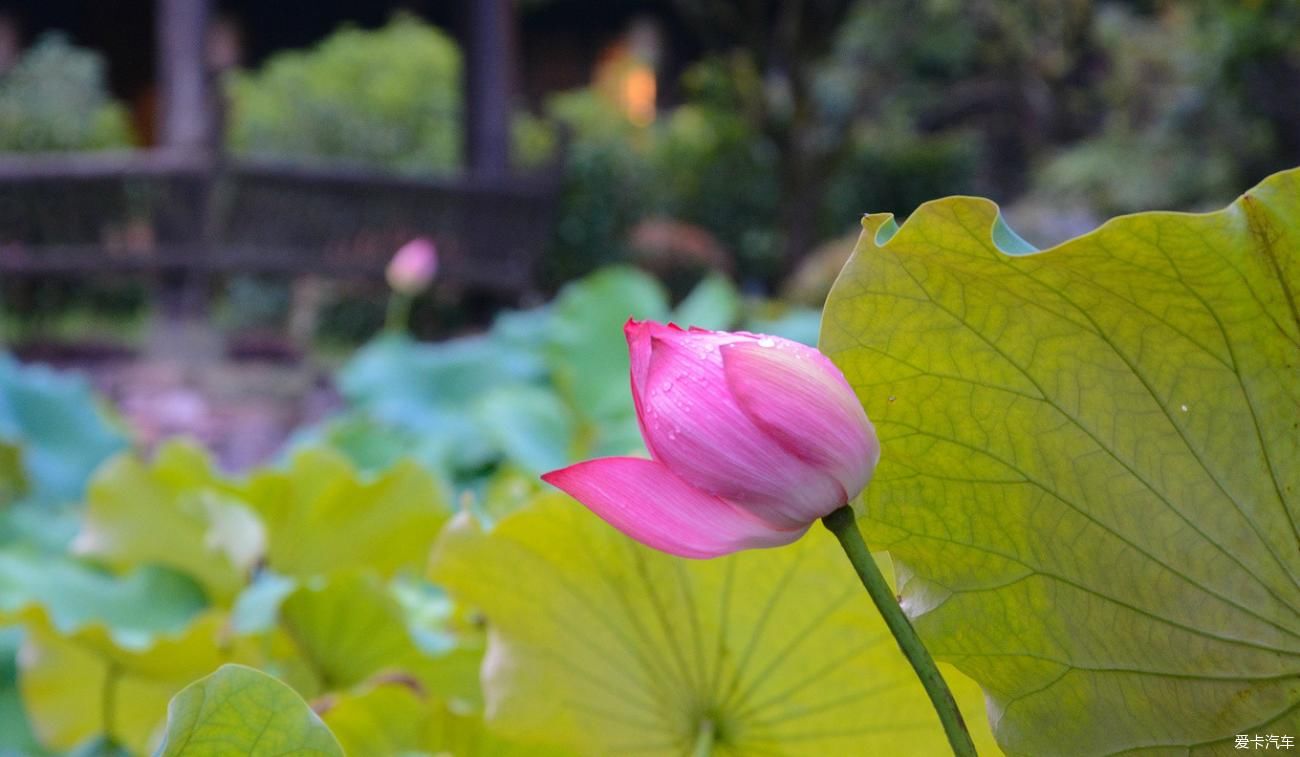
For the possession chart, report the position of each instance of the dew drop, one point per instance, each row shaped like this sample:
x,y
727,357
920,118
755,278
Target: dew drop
x,y
1184,407
766,342
892,398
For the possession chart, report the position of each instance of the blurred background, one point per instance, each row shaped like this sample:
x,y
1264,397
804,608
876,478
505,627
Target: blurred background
x,y
198,198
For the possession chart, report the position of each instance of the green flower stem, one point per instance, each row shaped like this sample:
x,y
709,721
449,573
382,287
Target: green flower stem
x,y
398,318
844,525
704,740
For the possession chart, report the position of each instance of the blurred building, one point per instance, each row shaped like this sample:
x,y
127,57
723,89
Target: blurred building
x,y
181,205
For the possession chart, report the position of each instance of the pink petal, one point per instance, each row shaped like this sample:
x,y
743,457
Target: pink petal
x,y
644,500
693,424
797,396
638,352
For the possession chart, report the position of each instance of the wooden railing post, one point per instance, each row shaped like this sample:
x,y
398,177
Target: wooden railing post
x,y
489,79
186,116
187,127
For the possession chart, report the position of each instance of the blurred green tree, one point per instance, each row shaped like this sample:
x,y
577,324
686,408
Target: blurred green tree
x,y
56,98
389,97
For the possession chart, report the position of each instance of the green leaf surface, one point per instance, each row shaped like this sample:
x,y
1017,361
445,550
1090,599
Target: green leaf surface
x,y
531,425
136,606
348,630
370,443
54,418
599,645
714,303
13,474
315,516
587,353
1091,459
16,737
177,512
433,386
322,517
242,711
790,322
393,718
84,684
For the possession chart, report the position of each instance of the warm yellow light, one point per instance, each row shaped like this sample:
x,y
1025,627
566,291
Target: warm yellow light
x,y
629,83
638,96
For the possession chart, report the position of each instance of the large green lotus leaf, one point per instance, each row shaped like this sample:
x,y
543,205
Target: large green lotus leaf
x,y
602,646
54,418
176,512
80,685
392,718
242,711
321,516
1091,463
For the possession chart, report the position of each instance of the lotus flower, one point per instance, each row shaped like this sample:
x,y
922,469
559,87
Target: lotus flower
x,y
413,267
752,439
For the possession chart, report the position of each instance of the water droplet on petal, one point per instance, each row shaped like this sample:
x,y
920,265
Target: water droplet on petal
x,y
766,342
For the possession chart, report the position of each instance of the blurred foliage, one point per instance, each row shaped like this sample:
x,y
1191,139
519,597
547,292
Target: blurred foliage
x,y
388,97
705,164
1178,136
604,183
69,310
56,98
541,387
310,574
297,570
54,432
1106,106
311,570
251,302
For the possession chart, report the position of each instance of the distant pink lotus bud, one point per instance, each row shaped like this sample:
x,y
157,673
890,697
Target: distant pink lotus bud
x,y
413,266
752,438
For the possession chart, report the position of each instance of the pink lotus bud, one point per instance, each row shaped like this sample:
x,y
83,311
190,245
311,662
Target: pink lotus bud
x,y
413,266
752,438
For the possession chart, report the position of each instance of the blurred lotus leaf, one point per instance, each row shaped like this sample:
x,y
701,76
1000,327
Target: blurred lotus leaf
x,y
53,430
82,685
393,717
211,533
322,517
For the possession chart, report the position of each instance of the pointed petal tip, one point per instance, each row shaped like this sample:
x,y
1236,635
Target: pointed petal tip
x,y
651,505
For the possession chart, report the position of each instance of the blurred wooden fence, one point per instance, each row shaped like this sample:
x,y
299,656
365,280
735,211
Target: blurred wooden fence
x,y
170,211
